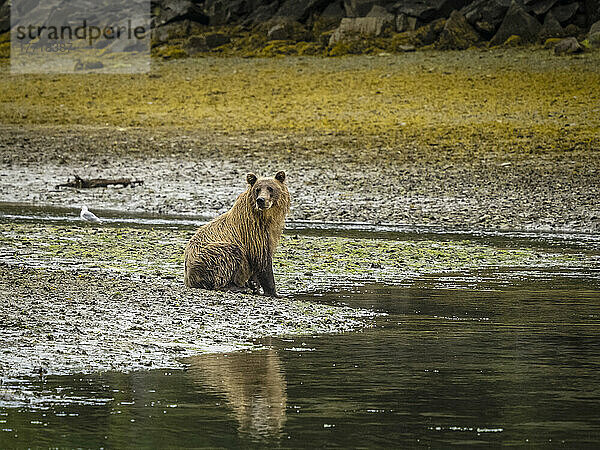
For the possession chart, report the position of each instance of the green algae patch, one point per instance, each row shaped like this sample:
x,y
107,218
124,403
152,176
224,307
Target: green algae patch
x,y
513,41
5,46
550,43
360,45
4,50
287,48
169,52
301,264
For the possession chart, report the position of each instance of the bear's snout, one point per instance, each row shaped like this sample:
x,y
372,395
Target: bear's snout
x,y
263,203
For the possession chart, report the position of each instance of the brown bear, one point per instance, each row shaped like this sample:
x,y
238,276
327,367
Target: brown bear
x,y
234,251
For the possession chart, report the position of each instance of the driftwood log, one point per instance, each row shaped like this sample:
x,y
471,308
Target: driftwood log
x,y
80,183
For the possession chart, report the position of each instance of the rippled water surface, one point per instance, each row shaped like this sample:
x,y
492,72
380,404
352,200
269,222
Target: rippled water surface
x,y
506,356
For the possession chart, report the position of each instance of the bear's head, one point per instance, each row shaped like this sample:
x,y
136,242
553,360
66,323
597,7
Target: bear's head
x,y
267,192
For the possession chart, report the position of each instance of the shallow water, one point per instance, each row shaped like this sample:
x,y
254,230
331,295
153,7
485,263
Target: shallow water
x,y
500,355
64,215
463,359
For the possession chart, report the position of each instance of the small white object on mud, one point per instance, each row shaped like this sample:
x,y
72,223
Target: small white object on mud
x,y
88,216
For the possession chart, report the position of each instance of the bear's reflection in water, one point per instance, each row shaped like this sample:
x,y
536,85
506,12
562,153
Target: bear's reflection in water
x,y
253,384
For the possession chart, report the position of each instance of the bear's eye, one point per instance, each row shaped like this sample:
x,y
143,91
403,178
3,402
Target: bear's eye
x,y
270,189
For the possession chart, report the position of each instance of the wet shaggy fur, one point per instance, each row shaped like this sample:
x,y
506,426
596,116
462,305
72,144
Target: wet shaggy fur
x,y
234,251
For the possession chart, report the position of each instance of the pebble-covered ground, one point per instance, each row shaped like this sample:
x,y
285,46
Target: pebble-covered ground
x,y
195,173
81,321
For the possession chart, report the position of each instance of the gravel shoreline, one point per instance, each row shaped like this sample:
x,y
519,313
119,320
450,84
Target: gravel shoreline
x,y
200,173
57,322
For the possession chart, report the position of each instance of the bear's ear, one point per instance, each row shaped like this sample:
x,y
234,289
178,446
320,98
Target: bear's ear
x,y
251,179
280,176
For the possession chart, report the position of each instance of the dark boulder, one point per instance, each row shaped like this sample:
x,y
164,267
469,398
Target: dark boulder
x,y
205,42
171,30
380,11
567,46
595,28
551,28
486,15
517,23
278,32
329,19
286,29
334,10
564,13
573,30
592,11
542,6
262,14
580,19
422,9
83,66
4,17
428,10
360,8
214,40
221,12
300,10
457,33
167,11
486,29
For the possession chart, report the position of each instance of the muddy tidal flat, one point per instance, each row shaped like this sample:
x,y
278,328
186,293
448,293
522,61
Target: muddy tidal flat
x,y
57,322
502,139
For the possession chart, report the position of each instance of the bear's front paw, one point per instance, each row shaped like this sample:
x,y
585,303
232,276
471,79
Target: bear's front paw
x,y
253,286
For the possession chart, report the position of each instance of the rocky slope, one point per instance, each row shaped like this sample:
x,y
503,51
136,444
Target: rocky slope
x,y
183,28
267,28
